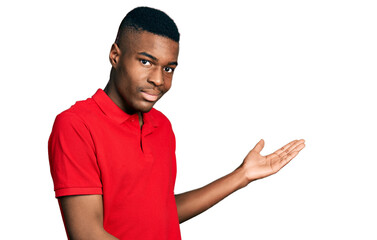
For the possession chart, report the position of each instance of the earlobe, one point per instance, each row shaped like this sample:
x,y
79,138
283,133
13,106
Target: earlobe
x,y
114,55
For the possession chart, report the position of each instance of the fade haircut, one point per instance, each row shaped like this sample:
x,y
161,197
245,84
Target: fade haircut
x,y
150,20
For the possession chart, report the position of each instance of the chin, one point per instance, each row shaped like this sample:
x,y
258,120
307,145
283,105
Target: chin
x,y
146,107
145,110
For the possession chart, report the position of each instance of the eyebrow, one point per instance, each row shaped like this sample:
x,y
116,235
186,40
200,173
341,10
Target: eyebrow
x,y
155,59
148,55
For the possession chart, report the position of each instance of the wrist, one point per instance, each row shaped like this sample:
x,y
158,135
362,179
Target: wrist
x,y
243,180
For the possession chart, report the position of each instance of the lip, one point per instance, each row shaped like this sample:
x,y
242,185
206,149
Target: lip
x,y
150,95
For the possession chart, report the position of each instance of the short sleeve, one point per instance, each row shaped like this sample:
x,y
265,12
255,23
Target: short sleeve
x,y
72,157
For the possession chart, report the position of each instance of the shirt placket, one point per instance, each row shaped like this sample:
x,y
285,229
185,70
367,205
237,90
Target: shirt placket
x,y
146,130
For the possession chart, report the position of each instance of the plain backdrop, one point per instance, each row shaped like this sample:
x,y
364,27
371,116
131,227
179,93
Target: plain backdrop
x,y
277,70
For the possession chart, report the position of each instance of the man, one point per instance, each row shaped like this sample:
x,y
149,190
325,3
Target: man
x,y
112,156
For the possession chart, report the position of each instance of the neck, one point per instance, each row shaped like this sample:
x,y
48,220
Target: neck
x,y
141,122
111,91
108,90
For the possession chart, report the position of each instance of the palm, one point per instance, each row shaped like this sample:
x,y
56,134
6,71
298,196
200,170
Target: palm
x,y
258,166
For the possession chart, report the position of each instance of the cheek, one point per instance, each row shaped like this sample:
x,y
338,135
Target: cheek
x,y
167,84
131,76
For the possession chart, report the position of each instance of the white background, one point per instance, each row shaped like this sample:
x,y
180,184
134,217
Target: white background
x,y
277,70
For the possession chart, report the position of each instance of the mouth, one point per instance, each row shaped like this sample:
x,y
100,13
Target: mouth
x,y
150,95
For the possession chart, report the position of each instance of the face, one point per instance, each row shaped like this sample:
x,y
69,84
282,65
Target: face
x,y
143,67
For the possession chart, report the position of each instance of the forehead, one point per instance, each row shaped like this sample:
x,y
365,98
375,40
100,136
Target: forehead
x,y
142,41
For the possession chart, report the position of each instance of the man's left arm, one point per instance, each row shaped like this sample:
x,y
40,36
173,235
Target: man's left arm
x,y
255,166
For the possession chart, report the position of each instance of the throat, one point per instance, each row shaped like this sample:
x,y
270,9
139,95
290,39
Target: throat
x,y
141,122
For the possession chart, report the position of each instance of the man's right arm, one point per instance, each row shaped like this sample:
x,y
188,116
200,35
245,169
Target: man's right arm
x,y
83,217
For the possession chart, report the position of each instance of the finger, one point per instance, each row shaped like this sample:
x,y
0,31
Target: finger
x,y
299,147
288,158
295,145
292,154
259,146
285,148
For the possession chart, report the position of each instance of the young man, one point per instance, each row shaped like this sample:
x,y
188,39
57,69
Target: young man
x,y
112,156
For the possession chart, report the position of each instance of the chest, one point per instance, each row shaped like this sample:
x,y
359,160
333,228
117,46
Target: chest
x,y
128,154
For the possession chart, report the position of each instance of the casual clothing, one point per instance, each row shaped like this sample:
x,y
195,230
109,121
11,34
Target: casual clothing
x,y
96,148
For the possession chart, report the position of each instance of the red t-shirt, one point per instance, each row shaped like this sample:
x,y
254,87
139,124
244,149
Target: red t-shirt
x,y
96,148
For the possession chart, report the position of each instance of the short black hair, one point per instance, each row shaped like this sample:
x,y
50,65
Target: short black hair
x,y
150,20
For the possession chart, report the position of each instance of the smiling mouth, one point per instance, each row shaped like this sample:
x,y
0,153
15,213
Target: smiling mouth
x,y
150,96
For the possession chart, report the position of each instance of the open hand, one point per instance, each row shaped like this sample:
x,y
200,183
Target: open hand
x,y
257,166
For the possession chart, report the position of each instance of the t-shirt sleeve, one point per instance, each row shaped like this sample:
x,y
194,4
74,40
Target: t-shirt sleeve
x,y
73,163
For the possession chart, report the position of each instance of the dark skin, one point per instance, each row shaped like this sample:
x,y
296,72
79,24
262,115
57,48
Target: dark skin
x,y
142,70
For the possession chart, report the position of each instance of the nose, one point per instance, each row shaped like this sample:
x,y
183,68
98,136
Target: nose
x,y
156,77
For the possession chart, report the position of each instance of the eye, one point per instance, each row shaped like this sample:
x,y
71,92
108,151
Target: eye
x,y
145,62
168,69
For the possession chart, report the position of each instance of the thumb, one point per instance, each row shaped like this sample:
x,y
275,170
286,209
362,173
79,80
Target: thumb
x,y
258,148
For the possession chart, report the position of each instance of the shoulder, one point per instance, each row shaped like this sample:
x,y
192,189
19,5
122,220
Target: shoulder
x,y
68,119
159,117
83,108
77,113
74,118
70,130
157,114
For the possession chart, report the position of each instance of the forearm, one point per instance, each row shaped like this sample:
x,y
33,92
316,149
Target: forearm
x,y
254,166
192,203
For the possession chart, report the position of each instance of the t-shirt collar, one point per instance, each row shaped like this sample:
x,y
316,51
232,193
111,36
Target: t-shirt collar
x,y
110,109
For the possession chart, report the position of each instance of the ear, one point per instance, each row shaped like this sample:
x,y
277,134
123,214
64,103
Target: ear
x,y
114,55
